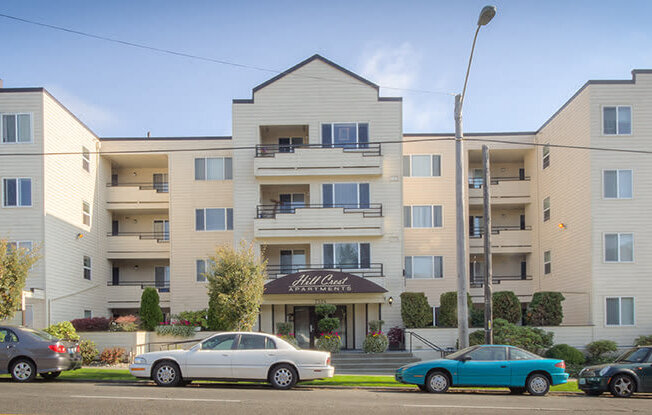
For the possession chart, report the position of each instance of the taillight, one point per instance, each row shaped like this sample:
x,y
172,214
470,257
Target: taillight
x,y
78,350
57,348
561,364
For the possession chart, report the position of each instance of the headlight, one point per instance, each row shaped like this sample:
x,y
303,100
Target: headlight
x,y
605,370
140,360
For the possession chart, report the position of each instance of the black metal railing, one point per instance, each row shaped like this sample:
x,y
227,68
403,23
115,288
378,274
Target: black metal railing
x,y
161,286
162,187
495,230
368,210
373,269
476,182
158,236
478,280
270,150
410,335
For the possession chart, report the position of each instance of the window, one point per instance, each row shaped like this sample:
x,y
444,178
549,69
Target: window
x,y
269,343
547,263
422,165
546,156
424,267
217,168
201,269
617,120
619,247
488,354
349,195
519,354
86,159
219,219
8,336
87,267
546,209
86,214
347,255
221,342
17,192
27,245
251,342
345,135
162,278
618,184
422,216
88,314
620,311
16,128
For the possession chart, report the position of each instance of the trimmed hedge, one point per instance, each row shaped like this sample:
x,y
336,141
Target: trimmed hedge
x,y
150,310
529,338
448,310
507,306
415,310
643,341
567,353
91,324
599,348
545,309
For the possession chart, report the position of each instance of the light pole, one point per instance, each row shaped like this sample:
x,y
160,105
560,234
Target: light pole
x,y
487,13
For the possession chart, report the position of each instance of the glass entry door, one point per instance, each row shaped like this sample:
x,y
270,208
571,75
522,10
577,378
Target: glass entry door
x,y
305,324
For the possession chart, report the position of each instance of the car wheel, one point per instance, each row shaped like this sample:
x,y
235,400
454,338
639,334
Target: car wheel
x,y
538,384
283,377
593,393
185,382
622,386
23,370
50,375
422,388
167,374
437,382
517,391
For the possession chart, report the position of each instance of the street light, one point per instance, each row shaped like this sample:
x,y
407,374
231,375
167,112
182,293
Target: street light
x,y
487,13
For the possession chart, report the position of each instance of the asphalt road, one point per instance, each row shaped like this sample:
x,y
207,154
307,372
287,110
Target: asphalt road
x,y
61,397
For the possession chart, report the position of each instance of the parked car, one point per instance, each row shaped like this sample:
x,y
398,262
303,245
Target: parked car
x,y
631,372
24,352
235,356
487,366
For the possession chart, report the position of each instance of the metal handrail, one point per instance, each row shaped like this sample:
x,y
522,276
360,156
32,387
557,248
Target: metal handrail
x,y
476,182
375,269
428,343
270,150
163,187
478,280
368,210
159,236
495,230
142,284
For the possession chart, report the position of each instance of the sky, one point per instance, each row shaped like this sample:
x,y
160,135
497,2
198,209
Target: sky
x,y
529,60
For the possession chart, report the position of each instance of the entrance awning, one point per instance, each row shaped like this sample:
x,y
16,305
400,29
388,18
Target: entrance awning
x,y
322,282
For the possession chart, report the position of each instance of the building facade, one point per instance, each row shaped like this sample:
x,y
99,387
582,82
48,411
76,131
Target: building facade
x,y
346,207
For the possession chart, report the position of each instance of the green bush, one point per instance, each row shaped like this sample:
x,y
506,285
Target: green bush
x,y
284,328
289,338
567,353
88,351
477,317
507,306
327,324
64,331
113,355
532,339
197,318
125,323
448,310
329,342
325,310
150,310
545,309
415,310
375,342
176,330
599,348
643,341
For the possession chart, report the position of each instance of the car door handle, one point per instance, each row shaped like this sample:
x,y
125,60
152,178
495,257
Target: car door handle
x,y
503,366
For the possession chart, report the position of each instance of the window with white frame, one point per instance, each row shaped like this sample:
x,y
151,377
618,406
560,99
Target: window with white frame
x,y
16,128
618,184
345,135
86,213
86,159
617,120
26,245
619,311
619,247
87,267
88,314
347,255
424,267
214,219
346,195
214,168
202,266
546,156
422,165
546,209
547,262
17,192
429,216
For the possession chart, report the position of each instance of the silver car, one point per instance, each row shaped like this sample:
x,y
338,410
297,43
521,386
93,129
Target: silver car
x,y
26,352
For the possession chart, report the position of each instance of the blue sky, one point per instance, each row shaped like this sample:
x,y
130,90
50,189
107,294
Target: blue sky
x,y
529,60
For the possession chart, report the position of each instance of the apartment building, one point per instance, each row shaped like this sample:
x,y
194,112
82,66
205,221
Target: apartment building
x,y
346,207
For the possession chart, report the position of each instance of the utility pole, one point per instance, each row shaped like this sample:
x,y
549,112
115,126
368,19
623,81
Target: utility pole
x,y
462,258
488,299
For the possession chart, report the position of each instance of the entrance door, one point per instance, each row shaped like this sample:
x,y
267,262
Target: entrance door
x,y
476,181
291,201
162,278
116,276
475,226
213,359
305,324
162,229
160,182
292,260
115,228
287,145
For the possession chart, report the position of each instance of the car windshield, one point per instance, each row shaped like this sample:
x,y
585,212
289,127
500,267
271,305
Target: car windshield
x,y
41,335
633,356
459,353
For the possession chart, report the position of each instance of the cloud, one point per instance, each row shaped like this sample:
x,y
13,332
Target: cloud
x,y
96,117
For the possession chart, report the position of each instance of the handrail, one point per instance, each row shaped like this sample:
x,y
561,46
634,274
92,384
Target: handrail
x,y
476,182
368,210
428,343
495,230
375,269
478,280
162,187
159,236
270,150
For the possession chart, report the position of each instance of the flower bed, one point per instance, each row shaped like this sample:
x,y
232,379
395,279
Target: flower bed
x,y
375,342
329,342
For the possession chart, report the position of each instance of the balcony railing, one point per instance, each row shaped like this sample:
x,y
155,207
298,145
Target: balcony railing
x,y
269,150
476,182
158,236
495,230
478,280
371,210
373,270
162,187
161,286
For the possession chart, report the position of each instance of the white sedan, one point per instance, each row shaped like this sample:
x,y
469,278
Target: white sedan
x,y
235,356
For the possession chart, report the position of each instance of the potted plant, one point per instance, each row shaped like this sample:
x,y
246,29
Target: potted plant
x,y
376,341
329,339
396,337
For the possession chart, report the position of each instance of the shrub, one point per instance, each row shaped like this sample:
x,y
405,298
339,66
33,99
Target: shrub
x,y
124,323
477,317
91,324
64,331
289,338
375,342
284,329
507,306
88,351
545,309
197,318
599,348
415,310
150,310
643,341
327,324
329,342
176,329
325,310
396,337
113,355
448,309
532,339
567,353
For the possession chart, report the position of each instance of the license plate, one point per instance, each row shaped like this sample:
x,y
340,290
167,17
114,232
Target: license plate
x,y
582,381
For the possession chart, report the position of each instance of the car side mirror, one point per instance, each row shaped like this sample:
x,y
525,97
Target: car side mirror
x,y
466,358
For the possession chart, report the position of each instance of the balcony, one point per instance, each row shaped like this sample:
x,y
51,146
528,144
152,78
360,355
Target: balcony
x,y
372,270
477,281
127,294
309,221
273,160
138,245
504,239
138,196
504,191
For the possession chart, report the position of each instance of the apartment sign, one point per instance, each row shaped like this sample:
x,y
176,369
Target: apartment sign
x,y
322,282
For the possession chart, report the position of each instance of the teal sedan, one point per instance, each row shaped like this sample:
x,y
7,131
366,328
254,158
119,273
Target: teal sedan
x,y
487,366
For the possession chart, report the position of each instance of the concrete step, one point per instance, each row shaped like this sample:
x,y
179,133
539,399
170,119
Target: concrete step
x,y
355,362
380,359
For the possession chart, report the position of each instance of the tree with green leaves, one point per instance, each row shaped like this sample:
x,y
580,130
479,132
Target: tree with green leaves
x,y
150,310
236,280
15,264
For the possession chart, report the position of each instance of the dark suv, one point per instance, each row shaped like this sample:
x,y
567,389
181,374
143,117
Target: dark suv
x,y
631,372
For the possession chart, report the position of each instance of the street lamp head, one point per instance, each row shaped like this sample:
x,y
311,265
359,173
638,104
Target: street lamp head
x,y
487,13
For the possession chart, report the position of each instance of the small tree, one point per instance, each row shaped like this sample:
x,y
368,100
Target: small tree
x,y
545,309
15,264
150,310
448,309
507,306
415,310
236,280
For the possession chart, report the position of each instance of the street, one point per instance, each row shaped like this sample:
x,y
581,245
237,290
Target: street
x,y
62,397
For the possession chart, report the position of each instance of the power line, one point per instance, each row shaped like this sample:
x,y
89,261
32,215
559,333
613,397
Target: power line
x,y
572,147
199,57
